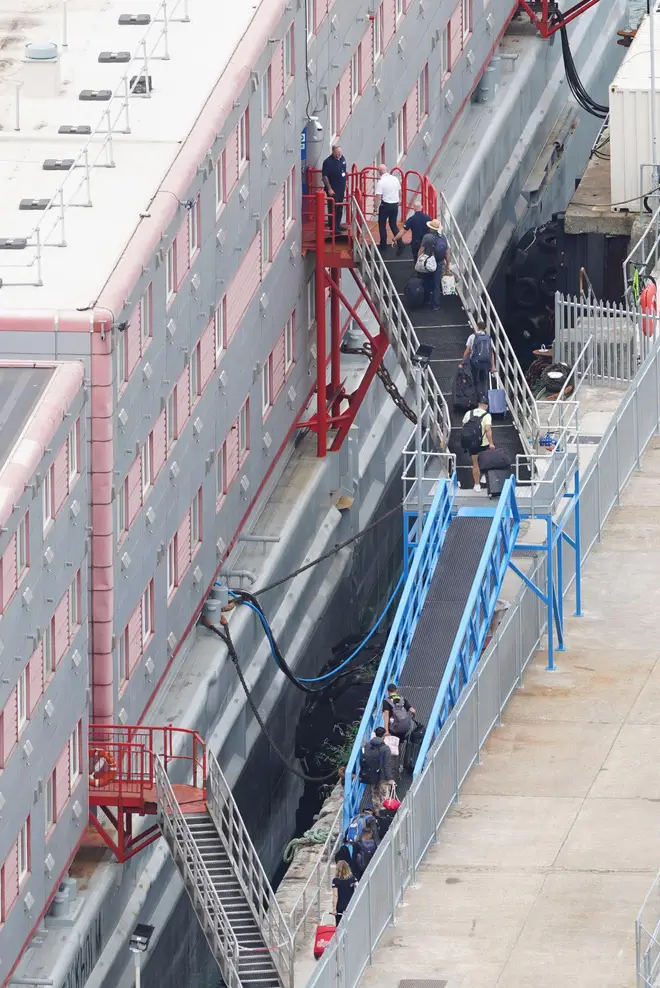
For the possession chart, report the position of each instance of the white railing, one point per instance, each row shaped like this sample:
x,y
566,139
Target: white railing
x,y
249,870
316,893
647,938
396,322
642,259
203,894
480,309
75,189
581,371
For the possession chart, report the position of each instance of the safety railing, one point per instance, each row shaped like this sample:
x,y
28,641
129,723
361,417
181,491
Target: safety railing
x,y
315,895
401,634
581,371
642,260
477,617
435,466
75,189
396,322
647,938
480,309
249,871
203,894
545,473
621,337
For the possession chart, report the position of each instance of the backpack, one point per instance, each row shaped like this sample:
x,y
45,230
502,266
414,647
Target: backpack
x,y
471,433
355,828
482,351
363,852
371,766
400,718
440,247
464,397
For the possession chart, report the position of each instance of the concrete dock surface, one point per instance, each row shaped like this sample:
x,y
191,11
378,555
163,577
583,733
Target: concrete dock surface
x,y
540,869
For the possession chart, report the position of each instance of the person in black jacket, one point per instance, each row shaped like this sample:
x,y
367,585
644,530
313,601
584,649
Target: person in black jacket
x,y
376,769
334,180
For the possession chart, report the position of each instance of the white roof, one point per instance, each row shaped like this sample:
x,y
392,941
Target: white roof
x,y
199,51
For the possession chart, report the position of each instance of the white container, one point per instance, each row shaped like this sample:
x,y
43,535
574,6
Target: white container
x,y
631,153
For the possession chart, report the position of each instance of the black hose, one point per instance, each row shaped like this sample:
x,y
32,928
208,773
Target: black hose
x,y
575,84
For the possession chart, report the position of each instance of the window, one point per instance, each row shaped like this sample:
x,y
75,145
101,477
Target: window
x,y
49,801
311,301
122,656
380,157
122,508
170,418
356,84
48,644
289,188
171,566
22,699
423,95
146,321
244,429
221,472
147,613
289,61
73,452
74,603
195,375
23,545
445,52
378,22
24,851
334,115
399,10
194,240
267,383
75,754
243,140
47,497
196,520
289,342
266,228
146,464
219,323
170,273
220,181
265,96
121,367
466,12
310,6
400,135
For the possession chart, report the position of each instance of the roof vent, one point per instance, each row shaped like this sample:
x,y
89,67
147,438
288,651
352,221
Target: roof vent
x,y
41,70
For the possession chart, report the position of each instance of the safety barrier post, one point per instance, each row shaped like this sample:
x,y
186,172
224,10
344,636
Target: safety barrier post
x,y
335,339
321,370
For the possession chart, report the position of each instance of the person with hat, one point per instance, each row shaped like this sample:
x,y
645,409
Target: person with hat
x,y
434,242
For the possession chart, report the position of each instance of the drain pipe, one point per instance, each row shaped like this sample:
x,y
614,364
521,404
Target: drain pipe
x,y
240,574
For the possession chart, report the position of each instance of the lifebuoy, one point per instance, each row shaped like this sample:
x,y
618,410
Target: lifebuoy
x,y
648,303
101,777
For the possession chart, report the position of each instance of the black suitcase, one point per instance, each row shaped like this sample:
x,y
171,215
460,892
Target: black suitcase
x,y
464,394
493,459
385,818
495,481
413,293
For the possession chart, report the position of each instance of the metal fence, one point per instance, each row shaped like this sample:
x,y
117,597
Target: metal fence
x,y
642,259
479,709
315,895
647,938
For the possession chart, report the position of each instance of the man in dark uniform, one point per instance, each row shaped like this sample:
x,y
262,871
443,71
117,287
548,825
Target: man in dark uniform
x,y
334,180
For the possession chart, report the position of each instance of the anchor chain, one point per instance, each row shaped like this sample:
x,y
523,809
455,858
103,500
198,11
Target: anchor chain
x,y
384,375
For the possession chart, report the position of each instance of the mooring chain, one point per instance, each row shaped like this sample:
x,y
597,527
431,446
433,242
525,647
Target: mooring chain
x,y
390,386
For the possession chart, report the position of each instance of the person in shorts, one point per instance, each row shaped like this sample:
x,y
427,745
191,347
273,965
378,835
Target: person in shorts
x,y
481,412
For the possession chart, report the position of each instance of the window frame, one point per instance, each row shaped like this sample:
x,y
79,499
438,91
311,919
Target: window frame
x,y
400,134
220,329
73,458
310,18
289,54
221,473
267,385
290,342
220,181
121,509
378,33
147,465
170,273
23,852
146,318
122,657
445,53
244,140
147,613
74,603
22,700
398,11
334,115
194,229
195,375
171,566
171,425
196,522
23,546
423,96
266,241
356,74
466,8
243,427
121,359
75,755
47,498
289,191
266,87
311,301
48,656
50,805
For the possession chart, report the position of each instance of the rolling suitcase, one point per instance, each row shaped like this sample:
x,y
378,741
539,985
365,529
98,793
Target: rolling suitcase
x,y
413,293
322,938
496,400
495,481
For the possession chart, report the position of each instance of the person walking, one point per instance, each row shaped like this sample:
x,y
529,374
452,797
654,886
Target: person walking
x,y
376,769
333,174
480,358
343,887
477,435
417,224
388,196
434,242
365,848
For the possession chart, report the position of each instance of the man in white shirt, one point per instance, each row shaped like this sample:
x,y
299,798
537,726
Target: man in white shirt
x,y
388,197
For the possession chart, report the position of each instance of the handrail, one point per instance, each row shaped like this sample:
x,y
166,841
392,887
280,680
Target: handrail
x,y
203,894
582,354
135,748
395,320
643,257
249,870
477,616
479,308
590,293
92,151
318,881
401,633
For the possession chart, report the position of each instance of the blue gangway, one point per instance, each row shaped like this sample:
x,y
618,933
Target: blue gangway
x,y
442,620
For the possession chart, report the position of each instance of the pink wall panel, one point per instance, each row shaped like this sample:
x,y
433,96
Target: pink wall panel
x,y
159,443
181,251
10,880
9,572
183,546
389,21
207,354
183,399
36,677
277,76
367,55
345,98
243,286
62,780
133,342
232,454
134,489
9,726
231,162
278,367
455,39
277,234
411,118
60,478
62,627
135,637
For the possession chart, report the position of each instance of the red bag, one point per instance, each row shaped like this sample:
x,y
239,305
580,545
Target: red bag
x,y
392,803
322,938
